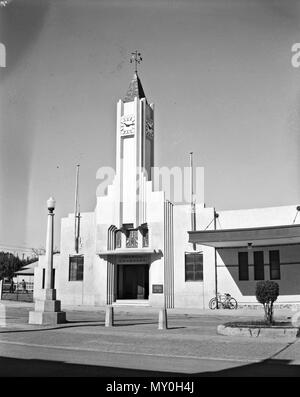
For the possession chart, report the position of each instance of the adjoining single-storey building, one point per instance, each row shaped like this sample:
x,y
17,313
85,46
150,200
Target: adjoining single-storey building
x,y
26,273
253,245
137,247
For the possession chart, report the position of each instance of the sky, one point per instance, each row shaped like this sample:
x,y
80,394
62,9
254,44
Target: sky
x,y
218,71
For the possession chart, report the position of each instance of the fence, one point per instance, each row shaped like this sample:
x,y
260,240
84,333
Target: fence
x,y
17,291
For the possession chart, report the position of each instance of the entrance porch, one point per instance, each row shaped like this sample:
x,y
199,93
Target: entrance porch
x,y
133,281
128,275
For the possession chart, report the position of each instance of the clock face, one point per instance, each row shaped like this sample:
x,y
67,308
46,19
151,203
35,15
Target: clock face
x,y
127,124
149,128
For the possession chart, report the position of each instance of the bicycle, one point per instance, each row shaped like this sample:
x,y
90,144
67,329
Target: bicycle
x,y
225,301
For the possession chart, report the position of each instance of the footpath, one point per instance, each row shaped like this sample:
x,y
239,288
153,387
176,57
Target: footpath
x,y
134,345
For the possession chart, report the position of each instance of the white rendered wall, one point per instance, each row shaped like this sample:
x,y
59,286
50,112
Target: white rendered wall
x,y
191,293
77,292
255,217
155,221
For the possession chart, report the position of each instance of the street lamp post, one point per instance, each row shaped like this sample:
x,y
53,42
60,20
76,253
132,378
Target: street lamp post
x,y
49,243
47,307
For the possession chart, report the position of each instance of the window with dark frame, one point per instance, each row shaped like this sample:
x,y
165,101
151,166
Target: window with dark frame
x,y
274,261
243,266
76,268
194,266
118,241
259,268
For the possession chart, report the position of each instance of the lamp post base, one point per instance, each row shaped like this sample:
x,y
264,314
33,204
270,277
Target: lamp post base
x,y
47,318
47,310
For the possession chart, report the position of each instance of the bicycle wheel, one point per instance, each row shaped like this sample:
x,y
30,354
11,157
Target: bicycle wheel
x,y
232,303
212,304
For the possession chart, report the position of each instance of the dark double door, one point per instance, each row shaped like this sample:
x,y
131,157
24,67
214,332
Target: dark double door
x,y
133,281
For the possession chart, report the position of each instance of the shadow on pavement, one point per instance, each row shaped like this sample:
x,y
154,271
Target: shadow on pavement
x,y
12,367
266,368
86,323
57,327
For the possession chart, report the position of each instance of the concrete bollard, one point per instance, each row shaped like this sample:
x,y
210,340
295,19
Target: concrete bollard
x,y
109,316
162,319
296,320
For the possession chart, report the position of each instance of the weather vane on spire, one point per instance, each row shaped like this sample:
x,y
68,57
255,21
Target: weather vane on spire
x,y
136,58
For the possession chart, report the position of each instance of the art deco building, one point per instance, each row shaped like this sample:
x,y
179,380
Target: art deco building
x,y
135,247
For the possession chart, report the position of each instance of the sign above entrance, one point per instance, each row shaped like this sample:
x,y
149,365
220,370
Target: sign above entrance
x,y
157,288
135,259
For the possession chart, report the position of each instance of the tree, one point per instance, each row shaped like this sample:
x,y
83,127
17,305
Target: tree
x,y
9,263
266,293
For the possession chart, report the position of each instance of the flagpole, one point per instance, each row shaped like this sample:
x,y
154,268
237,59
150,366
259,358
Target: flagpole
x,y
76,220
193,209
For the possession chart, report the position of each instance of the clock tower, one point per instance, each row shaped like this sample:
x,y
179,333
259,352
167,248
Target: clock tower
x,y
135,152
134,222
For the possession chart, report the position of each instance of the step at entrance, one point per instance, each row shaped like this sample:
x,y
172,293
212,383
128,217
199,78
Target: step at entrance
x,y
131,302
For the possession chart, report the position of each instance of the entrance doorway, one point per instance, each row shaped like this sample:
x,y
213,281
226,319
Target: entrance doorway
x,y
133,282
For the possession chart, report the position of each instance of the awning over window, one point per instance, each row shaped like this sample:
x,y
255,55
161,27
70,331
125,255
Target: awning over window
x,y
257,236
130,251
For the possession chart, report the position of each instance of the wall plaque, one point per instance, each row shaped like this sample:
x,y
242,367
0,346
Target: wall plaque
x,y
157,288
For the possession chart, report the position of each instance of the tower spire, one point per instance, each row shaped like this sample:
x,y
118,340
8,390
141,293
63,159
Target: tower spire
x,y
136,59
135,89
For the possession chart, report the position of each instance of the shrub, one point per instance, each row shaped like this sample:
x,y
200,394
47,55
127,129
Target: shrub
x,y
266,293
